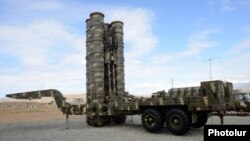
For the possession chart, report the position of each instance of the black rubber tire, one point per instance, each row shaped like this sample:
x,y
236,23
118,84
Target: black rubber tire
x,y
201,120
177,121
97,121
119,119
152,120
108,120
88,120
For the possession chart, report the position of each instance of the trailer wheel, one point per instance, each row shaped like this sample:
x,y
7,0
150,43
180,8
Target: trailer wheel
x,y
177,121
201,121
152,120
119,119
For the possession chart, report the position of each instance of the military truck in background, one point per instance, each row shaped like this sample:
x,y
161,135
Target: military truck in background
x,y
242,103
179,109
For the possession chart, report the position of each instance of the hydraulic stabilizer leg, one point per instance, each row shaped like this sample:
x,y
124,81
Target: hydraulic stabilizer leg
x,y
221,115
67,121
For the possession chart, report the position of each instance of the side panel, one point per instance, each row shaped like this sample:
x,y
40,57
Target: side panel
x,y
219,94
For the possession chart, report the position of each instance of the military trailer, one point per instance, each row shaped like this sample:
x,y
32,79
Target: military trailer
x,y
179,109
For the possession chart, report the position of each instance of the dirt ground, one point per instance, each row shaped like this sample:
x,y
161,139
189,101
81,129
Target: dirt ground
x,y
11,112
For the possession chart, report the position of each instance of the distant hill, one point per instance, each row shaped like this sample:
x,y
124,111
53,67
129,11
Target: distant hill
x,y
243,87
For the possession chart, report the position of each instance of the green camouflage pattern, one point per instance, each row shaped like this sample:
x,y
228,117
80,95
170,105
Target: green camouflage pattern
x,y
105,64
208,97
105,83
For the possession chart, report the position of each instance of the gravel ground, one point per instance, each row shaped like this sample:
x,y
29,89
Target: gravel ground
x,y
54,130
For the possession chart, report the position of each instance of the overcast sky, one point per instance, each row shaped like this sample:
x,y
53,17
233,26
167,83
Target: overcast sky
x,y
42,43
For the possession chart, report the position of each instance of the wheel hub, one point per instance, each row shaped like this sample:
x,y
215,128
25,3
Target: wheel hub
x,y
175,121
149,120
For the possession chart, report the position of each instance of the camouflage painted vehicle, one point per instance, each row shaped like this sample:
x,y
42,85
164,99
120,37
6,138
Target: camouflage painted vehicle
x,y
179,109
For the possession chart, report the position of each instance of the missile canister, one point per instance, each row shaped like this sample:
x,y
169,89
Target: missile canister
x,y
117,27
95,57
104,64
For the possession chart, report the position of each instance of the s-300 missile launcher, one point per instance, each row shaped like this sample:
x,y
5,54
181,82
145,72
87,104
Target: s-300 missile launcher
x,y
180,109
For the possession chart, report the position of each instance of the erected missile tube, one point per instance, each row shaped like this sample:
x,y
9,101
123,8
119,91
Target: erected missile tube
x,y
117,27
107,65
96,57
88,50
105,69
95,69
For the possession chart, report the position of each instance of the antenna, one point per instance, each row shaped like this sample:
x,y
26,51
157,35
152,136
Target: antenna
x,y
210,66
222,69
172,82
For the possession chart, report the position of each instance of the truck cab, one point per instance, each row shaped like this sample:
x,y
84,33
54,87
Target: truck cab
x,y
242,103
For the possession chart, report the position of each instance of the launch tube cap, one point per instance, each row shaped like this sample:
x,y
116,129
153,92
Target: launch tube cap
x,y
87,20
99,13
117,22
